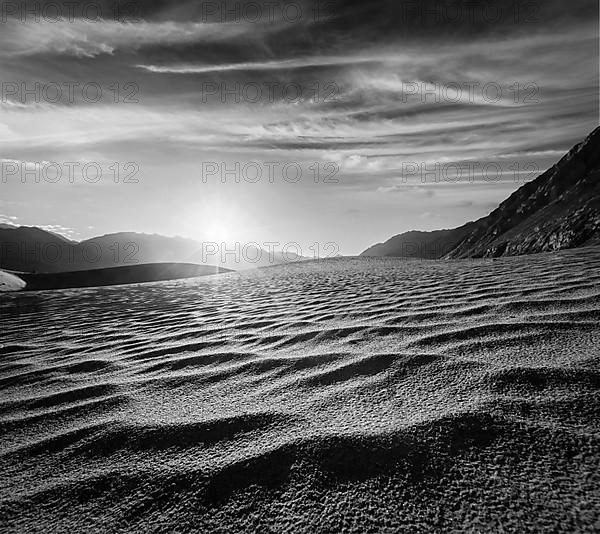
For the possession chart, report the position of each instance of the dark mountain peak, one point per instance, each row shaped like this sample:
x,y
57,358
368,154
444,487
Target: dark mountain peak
x,y
420,244
559,209
556,210
34,232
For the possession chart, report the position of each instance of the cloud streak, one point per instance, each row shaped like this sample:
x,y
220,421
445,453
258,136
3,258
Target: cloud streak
x,y
86,39
394,87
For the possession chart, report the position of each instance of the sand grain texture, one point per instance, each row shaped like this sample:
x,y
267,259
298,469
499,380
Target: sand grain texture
x,y
348,395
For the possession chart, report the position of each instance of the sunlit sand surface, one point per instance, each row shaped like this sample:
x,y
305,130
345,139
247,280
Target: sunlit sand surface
x,y
356,395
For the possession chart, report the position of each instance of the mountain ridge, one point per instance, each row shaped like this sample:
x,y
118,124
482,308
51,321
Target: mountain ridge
x,y
32,249
559,209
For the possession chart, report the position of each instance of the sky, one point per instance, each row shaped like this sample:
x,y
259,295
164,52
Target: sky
x,y
312,122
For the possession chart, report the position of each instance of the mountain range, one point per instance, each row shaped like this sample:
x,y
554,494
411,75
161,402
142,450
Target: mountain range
x,y
31,249
559,209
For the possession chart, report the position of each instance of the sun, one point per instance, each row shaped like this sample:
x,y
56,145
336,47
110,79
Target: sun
x,y
213,221
218,231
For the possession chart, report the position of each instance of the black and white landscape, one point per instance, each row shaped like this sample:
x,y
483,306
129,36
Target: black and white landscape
x,y
313,266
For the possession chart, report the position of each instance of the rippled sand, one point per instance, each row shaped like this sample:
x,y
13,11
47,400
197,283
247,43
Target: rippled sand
x,y
358,395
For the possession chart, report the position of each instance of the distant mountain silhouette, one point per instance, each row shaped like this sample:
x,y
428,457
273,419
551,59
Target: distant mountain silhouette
x,y
152,248
559,209
415,244
31,249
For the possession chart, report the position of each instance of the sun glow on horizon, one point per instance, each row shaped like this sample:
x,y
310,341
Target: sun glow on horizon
x,y
215,221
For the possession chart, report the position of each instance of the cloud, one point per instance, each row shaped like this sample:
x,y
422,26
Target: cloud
x,y
371,125
280,64
8,219
87,39
59,229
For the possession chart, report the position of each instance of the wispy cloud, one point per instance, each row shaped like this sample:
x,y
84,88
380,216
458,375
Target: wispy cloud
x,y
402,91
8,219
282,64
88,39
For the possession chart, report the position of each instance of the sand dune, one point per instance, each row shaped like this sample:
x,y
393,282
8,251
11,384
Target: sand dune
x,y
131,274
356,395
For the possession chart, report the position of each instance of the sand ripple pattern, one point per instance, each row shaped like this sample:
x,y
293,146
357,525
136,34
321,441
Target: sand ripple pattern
x,y
346,395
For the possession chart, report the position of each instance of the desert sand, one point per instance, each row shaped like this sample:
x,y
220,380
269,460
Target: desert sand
x,y
344,395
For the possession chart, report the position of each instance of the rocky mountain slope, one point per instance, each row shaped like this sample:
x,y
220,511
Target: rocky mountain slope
x,y
559,209
415,244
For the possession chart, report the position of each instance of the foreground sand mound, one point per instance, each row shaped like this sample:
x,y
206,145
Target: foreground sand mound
x,y
358,395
